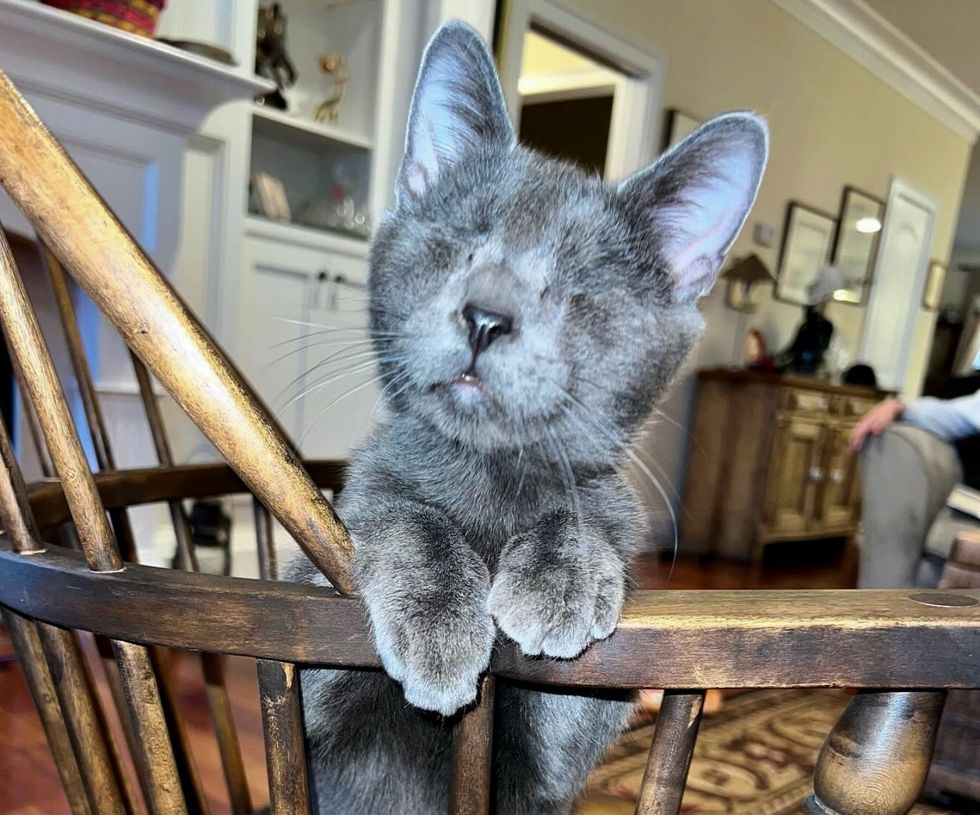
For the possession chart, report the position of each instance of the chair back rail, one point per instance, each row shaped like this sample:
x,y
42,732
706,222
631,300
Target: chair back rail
x,y
873,761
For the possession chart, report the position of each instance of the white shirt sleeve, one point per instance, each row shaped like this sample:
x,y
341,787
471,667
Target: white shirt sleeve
x,y
950,419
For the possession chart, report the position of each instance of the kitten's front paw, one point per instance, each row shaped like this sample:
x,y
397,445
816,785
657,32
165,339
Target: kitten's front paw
x,y
436,643
556,600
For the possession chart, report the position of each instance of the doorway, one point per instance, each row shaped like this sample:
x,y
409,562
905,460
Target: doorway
x,y
576,91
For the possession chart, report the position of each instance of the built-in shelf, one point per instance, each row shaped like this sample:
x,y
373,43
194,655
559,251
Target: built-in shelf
x,y
279,125
300,235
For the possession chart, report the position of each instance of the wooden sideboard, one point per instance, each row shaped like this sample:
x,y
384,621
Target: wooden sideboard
x,y
768,461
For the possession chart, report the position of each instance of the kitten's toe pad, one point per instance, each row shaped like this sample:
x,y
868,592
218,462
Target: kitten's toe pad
x,y
556,609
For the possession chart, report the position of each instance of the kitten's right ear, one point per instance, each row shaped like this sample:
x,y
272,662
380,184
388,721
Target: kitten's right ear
x,y
457,105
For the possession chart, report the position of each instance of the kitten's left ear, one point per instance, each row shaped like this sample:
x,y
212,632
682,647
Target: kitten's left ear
x,y
458,105
698,195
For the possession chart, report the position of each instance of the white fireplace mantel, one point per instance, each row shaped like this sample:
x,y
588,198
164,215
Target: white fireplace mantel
x,y
61,55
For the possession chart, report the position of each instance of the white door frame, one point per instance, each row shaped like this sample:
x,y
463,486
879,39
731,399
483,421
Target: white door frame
x,y
899,190
634,131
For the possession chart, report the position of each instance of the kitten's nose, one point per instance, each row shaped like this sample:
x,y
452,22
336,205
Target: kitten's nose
x,y
485,326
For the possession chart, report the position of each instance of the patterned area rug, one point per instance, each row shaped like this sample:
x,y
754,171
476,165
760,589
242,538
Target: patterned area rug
x,y
755,757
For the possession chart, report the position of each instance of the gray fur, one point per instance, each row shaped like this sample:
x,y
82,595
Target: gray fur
x,y
505,508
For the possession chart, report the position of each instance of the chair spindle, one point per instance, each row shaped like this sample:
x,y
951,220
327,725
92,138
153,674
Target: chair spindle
x,y
470,782
670,753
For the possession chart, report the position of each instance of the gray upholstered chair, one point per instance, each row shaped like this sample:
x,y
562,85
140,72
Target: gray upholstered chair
x,y
907,475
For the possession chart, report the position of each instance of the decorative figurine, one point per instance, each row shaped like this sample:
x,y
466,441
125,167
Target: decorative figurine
x,y
334,66
271,59
806,354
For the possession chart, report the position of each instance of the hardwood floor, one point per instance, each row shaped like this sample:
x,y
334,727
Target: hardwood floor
x,y
29,783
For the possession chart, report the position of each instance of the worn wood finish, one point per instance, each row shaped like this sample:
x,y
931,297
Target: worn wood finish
x,y
219,705
666,639
186,554
285,752
229,749
38,677
149,485
28,347
138,678
97,251
876,758
281,702
670,753
122,527
265,541
82,719
471,778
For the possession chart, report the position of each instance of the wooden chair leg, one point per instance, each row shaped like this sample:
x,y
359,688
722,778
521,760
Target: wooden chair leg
x,y
39,682
670,753
875,760
470,783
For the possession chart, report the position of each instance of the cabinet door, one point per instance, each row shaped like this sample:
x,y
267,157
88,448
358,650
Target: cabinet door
x,y
275,310
303,335
794,473
341,382
840,488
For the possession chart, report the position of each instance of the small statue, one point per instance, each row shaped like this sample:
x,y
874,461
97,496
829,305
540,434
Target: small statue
x,y
271,59
333,65
806,354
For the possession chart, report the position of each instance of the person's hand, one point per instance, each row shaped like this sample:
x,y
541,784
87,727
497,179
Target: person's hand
x,y
875,421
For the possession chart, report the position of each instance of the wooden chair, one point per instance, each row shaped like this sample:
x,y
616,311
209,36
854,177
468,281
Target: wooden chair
x,y
900,649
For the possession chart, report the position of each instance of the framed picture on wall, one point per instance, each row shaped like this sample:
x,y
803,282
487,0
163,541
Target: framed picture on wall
x,y
807,238
856,242
679,125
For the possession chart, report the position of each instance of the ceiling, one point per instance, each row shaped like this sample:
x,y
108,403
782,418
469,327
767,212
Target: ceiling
x,y
947,30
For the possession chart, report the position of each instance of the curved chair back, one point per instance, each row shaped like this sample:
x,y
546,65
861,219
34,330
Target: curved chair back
x,y
874,762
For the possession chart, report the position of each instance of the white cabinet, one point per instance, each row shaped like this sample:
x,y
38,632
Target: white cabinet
x,y
304,337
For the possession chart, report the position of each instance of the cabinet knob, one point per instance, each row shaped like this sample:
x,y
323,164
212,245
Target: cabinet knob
x,y
816,474
837,476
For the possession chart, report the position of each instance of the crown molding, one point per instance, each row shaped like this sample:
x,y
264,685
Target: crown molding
x,y
868,38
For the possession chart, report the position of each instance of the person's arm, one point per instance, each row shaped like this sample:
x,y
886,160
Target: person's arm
x,y
875,421
950,419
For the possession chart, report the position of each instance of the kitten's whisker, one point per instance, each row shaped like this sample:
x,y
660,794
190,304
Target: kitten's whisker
x,y
568,477
680,427
339,333
338,357
324,411
643,468
323,382
400,377
324,344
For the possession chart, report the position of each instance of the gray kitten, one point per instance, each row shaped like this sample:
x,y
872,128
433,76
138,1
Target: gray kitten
x,y
526,317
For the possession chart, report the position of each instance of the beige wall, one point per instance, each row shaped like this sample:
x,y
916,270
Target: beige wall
x,y
832,122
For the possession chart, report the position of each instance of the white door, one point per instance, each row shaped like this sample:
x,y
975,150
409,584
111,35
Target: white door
x,y
896,289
